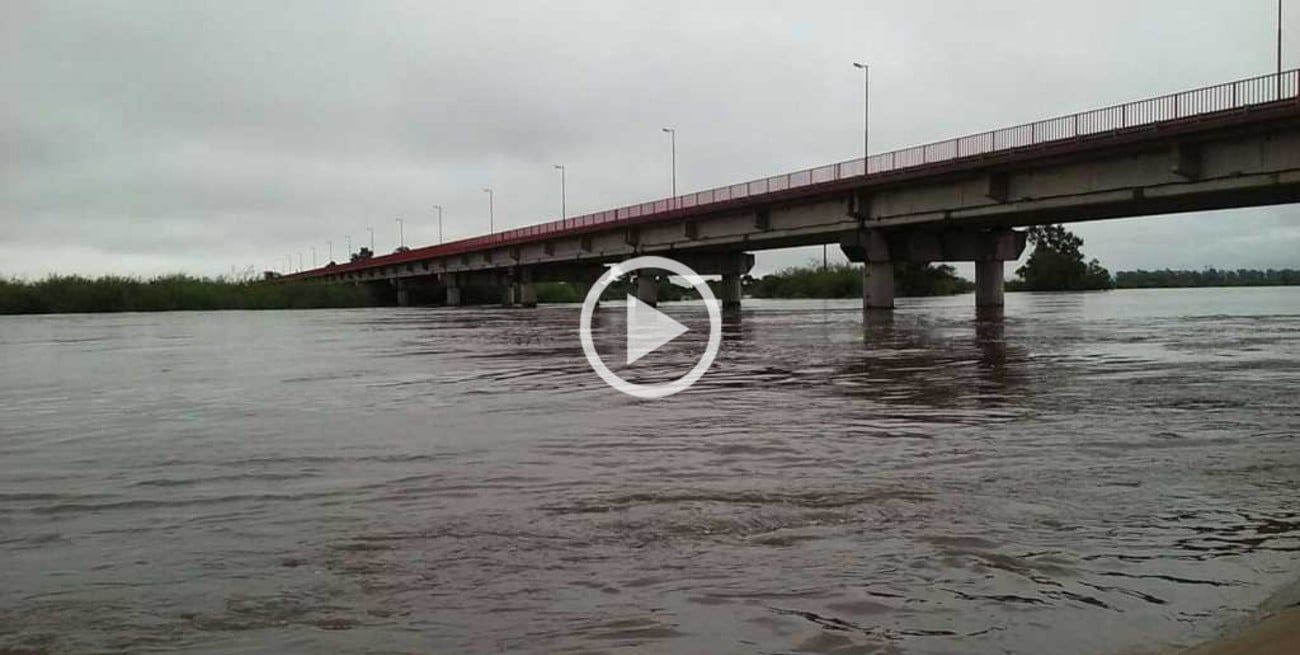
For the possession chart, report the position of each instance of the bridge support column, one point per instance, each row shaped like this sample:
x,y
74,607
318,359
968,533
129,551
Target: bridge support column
x,y
526,293
730,292
878,285
451,283
872,248
524,288
988,283
403,294
647,288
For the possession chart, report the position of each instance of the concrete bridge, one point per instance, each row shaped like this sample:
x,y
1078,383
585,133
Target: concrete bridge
x,y
1230,145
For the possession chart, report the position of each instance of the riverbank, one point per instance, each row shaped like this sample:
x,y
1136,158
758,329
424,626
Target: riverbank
x,y
1273,629
80,295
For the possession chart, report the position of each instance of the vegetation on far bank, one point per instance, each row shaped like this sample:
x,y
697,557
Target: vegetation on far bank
x,y
1210,277
1057,264
845,281
75,294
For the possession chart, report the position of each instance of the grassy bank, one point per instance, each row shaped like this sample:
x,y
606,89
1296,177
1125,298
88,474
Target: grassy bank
x,y
75,294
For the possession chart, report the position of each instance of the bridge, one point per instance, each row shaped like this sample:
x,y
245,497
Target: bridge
x,y
1230,145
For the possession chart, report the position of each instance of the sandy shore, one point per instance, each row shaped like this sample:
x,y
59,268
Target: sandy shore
x,y
1274,629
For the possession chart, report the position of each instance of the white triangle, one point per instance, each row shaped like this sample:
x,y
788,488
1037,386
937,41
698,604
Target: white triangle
x,y
648,329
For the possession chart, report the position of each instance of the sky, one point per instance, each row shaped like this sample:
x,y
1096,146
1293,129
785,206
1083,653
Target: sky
x,y
152,137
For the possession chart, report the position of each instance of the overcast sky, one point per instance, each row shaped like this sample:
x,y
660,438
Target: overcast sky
x,y
149,137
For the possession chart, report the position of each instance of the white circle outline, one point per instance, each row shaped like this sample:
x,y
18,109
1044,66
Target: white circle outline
x,y
663,389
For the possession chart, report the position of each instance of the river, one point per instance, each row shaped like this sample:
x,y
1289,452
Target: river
x,y
1097,473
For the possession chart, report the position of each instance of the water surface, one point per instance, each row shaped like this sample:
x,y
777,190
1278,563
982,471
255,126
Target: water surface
x,y
1097,472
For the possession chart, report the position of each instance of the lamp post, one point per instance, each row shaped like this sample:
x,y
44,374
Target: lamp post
x,y
1279,47
331,247
439,208
866,130
401,234
371,230
564,210
299,261
313,256
866,112
672,136
491,211
349,239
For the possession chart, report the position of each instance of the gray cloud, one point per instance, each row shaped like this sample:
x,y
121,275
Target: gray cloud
x,y
161,136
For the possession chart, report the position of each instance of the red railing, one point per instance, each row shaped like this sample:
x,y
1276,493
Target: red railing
x,y
1240,94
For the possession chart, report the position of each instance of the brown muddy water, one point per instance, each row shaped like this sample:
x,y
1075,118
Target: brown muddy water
x,y
1094,474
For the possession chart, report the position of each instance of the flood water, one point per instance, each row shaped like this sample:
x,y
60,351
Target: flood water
x,y
1097,473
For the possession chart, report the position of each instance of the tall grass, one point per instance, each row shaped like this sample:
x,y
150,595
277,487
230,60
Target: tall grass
x,y
76,294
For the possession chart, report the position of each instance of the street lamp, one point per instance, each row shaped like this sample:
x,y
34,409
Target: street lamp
x,y
401,234
313,256
866,149
866,112
672,135
439,208
1279,47
564,211
349,238
299,261
371,230
491,212
331,246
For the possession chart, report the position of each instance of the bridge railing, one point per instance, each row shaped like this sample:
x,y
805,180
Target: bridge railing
x,y
1241,94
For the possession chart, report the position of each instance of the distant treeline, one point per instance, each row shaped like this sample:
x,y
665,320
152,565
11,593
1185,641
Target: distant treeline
x,y
1209,277
845,281
75,294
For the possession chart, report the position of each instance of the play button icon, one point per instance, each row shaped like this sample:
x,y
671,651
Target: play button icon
x,y
649,329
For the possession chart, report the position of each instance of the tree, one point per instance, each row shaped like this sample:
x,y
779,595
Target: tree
x,y
1057,264
362,254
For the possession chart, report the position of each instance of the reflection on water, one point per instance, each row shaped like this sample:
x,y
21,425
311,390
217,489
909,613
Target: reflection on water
x,y
1087,474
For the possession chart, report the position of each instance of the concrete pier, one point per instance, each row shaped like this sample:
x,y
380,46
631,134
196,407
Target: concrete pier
x,y
524,287
453,297
730,292
403,294
526,293
647,288
878,285
989,283
879,250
